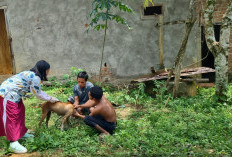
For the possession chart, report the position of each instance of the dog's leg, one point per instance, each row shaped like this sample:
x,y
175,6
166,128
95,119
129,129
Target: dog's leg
x,y
48,117
68,121
66,116
44,113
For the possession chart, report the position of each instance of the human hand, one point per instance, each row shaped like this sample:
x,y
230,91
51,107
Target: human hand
x,y
91,109
79,107
76,105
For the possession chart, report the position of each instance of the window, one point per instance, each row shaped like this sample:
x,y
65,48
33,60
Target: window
x,y
153,10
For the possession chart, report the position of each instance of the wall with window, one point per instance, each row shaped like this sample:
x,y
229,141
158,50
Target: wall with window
x,y
54,30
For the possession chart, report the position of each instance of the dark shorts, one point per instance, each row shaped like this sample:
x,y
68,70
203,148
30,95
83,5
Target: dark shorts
x,y
98,120
85,110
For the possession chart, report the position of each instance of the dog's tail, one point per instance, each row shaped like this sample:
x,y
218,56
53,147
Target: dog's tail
x,y
45,104
41,105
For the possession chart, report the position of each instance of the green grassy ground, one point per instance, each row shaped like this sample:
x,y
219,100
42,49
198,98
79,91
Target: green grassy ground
x,y
195,126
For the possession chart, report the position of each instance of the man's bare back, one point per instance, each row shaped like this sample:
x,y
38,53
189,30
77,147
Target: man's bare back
x,y
102,114
105,109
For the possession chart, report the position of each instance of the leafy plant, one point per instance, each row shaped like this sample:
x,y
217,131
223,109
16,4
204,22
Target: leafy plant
x,y
66,77
147,2
75,71
102,11
53,78
139,94
160,91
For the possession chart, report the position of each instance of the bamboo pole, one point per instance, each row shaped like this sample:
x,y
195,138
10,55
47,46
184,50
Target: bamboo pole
x,y
161,41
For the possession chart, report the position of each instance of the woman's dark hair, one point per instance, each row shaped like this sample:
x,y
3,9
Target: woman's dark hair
x,y
40,69
83,74
96,92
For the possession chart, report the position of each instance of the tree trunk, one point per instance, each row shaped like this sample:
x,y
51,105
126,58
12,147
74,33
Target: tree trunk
x,y
103,46
221,69
178,62
161,41
218,49
102,54
178,59
181,54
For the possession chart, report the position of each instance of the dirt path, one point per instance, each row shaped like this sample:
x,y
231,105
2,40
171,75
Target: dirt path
x,y
25,155
124,112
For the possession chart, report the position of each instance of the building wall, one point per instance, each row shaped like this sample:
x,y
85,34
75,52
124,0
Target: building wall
x,y
54,30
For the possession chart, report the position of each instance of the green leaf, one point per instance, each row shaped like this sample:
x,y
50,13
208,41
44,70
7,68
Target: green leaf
x,y
101,10
66,76
103,26
147,2
97,27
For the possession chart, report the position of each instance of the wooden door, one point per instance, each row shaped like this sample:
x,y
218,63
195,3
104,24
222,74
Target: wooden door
x,y
6,67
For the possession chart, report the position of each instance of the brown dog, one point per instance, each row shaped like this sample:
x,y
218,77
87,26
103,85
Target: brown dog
x,y
61,108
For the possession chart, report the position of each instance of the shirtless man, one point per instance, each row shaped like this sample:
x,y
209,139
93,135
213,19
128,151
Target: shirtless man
x,y
102,114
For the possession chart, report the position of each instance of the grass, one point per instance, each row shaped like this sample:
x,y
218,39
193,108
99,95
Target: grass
x,y
194,126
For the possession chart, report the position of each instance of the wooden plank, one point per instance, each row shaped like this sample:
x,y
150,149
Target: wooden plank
x,y
5,54
184,72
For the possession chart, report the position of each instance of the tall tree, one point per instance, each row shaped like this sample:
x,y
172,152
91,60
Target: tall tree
x,y
219,49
